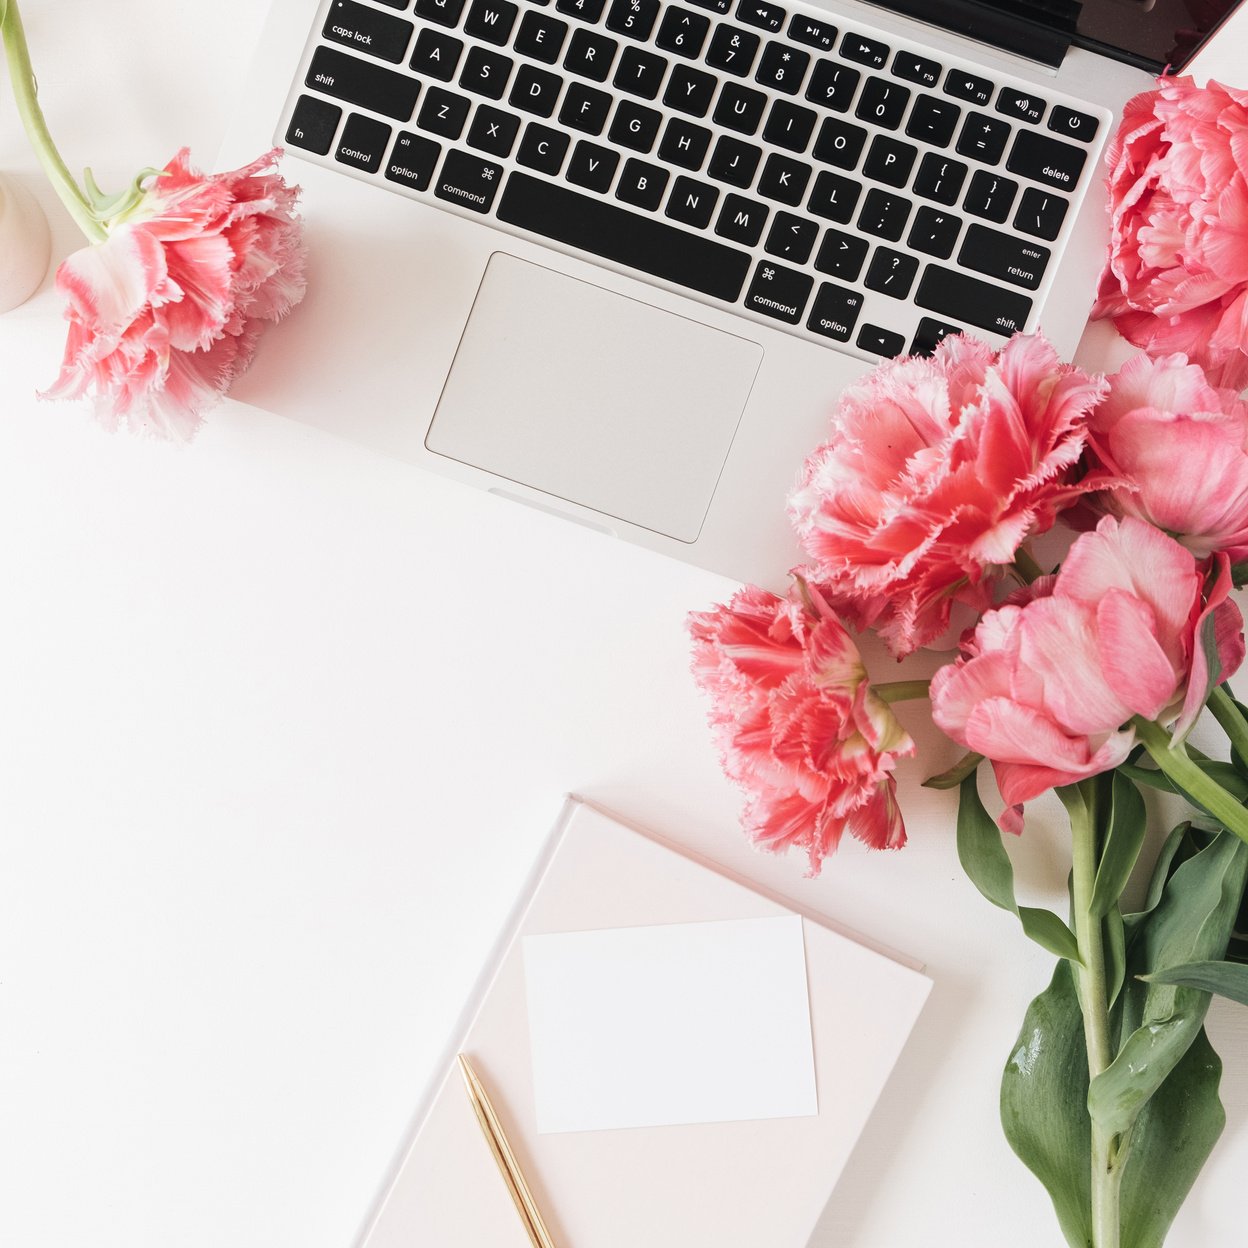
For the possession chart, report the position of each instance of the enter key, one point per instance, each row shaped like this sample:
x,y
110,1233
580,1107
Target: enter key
x,y
1004,256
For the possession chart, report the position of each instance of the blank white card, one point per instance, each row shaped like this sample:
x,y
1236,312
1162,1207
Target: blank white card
x,y
654,1026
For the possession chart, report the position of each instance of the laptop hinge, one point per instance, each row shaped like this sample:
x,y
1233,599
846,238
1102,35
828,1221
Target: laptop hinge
x,y
1041,30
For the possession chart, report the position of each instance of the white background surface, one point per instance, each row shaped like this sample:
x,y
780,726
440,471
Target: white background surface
x,y
250,686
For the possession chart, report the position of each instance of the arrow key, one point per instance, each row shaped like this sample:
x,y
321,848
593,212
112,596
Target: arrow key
x,y
792,238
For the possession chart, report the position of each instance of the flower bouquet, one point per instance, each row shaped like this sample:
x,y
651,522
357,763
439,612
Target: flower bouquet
x,y
1081,670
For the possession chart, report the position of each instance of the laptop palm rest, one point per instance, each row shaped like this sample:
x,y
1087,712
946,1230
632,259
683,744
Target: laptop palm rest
x,y
594,398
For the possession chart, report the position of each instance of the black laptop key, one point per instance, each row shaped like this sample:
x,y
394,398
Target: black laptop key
x,y
840,143
930,334
964,86
934,232
363,143
443,113
413,160
635,126
915,68
436,54
692,202
884,215
592,166
882,103
885,342
835,312
684,144
1009,259
541,37
1046,160
789,126
634,18
983,138
734,162
313,125
739,108
832,85
642,184
986,305
891,272
933,120
443,12
491,21
732,50
543,148
362,83
940,178
760,13
782,68
791,238
742,220
778,292
841,255
1041,213
485,73
722,7
535,90
890,161
990,196
468,181
586,10
396,4
1073,125
812,32
640,73
682,31
366,30
690,91
623,237
834,197
585,108
493,130
590,55
784,179
1021,105
865,51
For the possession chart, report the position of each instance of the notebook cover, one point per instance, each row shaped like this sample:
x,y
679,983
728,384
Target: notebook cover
x,y
730,1184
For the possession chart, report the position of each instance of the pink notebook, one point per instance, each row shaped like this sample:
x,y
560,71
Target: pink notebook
x,y
737,1184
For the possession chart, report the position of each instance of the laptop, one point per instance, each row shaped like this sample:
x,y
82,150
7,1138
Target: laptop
x,y
616,259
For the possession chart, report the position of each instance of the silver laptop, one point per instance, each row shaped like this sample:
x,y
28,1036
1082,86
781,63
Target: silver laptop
x,y
615,259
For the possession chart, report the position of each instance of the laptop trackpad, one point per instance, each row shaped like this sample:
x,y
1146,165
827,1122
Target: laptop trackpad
x,y
593,397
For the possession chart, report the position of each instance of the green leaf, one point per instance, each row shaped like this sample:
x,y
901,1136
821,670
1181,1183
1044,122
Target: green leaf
x,y
1170,1142
1227,979
1192,922
1148,775
1239,574
985,861
1044,1091
956,774
1128,822
1115,954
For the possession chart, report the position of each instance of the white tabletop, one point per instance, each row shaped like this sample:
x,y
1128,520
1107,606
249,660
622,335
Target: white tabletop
x,y
246,685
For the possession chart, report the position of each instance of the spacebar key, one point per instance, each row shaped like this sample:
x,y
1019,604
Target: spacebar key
x,y
625,237
968,299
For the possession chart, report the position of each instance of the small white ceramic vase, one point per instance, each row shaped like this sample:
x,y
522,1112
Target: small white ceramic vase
x,y
25,244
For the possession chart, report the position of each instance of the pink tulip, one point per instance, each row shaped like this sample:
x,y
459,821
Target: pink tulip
x,y
1181,449
798,724
166,311
937,470
1177,274
1047,689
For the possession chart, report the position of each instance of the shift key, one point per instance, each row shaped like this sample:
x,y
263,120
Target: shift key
x,y
359,82
967,299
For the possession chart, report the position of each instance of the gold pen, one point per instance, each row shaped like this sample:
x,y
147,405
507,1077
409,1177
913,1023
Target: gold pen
x,y
508,1167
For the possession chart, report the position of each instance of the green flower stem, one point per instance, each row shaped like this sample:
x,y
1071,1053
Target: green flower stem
x,y
902,690
1080,803
1227,714
26,92
1179,767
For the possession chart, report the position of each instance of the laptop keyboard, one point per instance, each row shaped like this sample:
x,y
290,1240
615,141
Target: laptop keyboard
x,y
833,182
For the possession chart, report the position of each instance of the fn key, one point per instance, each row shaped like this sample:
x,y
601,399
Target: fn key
x,y
313,125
